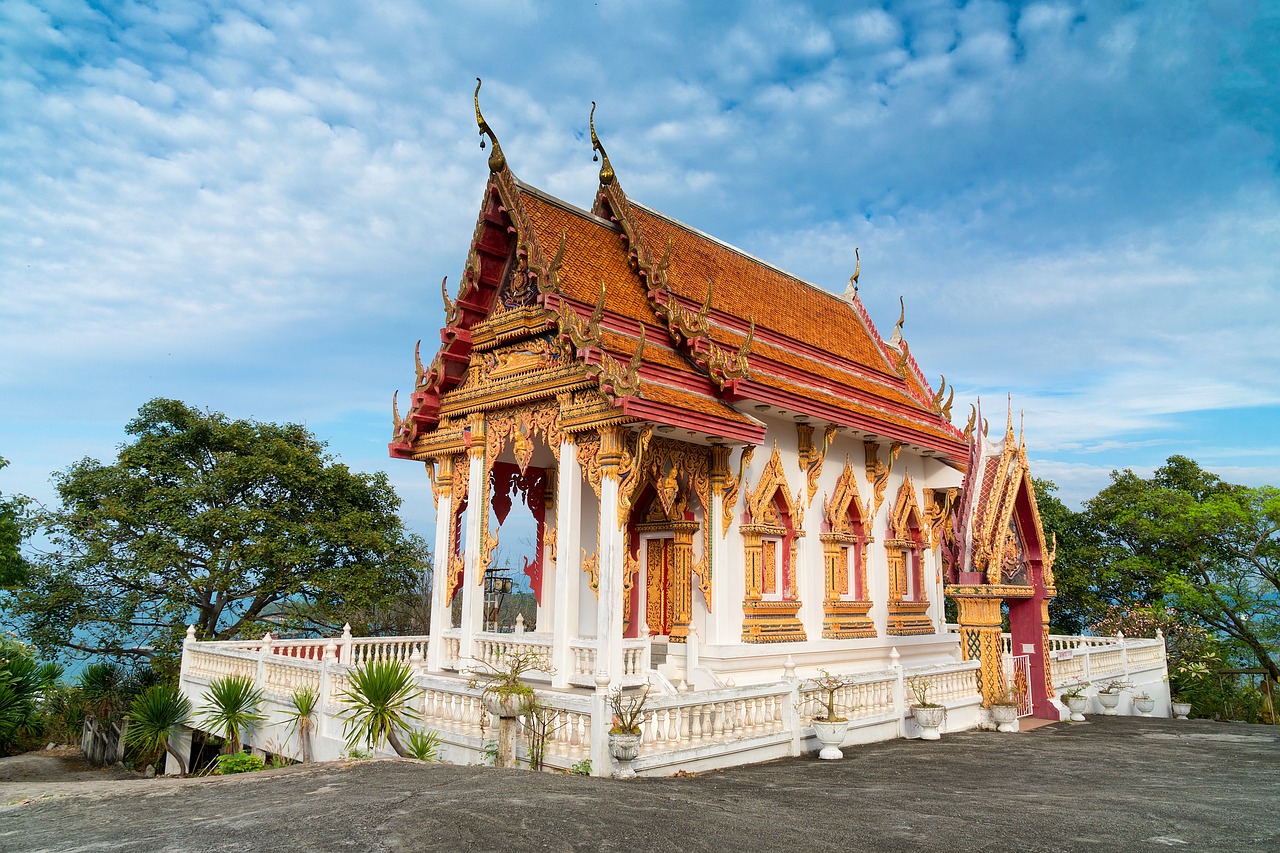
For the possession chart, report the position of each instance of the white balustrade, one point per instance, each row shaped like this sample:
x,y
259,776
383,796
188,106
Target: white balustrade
x,y
375,649
689,720
282,678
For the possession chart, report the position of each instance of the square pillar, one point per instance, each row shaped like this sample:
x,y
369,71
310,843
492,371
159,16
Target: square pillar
x,y
611,547
568,570
443,491
476,541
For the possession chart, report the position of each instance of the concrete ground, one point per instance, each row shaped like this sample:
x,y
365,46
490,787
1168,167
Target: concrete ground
x,y
1113,783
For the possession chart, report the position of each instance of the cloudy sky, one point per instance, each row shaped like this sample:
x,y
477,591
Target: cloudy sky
x,y
249,205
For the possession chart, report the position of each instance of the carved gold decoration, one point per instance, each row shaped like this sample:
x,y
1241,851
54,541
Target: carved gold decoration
x,y
939,506
451,313
631,466
733,485
903,510
811,457
606,168
588,445
591,565
497,160
939,407
878,475
764,536
617,380
724,366
907,616
845,496
519,427
773,481
583,334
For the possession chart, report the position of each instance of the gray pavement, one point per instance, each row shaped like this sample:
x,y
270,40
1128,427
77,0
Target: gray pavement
x,y
1112,783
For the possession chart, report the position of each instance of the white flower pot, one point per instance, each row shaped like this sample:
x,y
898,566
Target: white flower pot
x,y
624,749
1181,710
1006,717
930,720
1109,702
1076,705
1144,706
830,735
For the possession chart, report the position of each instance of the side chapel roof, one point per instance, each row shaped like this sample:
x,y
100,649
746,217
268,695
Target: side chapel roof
x,y
723,332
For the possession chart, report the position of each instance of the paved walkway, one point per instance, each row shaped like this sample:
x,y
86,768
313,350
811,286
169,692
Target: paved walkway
x,y
1113,783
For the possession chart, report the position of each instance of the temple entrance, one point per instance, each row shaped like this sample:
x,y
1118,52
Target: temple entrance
x,y
660,568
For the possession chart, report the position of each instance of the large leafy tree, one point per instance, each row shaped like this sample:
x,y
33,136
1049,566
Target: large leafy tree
x,y
1210,549
220,523
13,568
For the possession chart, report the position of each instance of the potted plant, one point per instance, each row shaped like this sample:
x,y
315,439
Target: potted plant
x,y
1181,708
1144,703
1109,697
625,735
929,715
829,727
504,693
1004,710
1075,700
506,697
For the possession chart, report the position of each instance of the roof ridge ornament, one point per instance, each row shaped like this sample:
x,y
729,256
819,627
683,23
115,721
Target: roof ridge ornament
x,y
606,168
497,160
896,340
851,292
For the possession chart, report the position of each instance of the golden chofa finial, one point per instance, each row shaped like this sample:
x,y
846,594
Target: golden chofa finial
x,y
896,340
857,269
497,160
606,168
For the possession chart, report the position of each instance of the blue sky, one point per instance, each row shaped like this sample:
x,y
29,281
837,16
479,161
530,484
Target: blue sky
x,y
249,206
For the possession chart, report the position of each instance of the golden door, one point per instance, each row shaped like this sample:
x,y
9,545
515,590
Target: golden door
x,y
659,600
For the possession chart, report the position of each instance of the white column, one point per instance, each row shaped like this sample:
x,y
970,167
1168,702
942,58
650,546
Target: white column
x,y
609,602
439,612
477,522
567,578
611,545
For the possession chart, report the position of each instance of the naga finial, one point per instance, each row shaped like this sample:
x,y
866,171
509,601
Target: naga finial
x,y
896,340
857,269
606,168
973,421
450,307
497,160
395,412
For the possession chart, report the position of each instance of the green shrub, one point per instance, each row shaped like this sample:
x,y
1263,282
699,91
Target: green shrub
x,y
239,762
581,768
424,746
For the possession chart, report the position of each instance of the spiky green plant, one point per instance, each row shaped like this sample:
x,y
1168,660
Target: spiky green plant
x,y
301,717
153,715
378,704
230,705
103,687
424,746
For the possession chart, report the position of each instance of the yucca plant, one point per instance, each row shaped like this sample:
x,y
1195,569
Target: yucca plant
x,y
103,687
153,715
301,717
379,700
230,705
424,746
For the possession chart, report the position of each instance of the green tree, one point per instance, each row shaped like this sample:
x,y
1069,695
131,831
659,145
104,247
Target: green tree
x,y
13,567
220,523
1085,586
1210,549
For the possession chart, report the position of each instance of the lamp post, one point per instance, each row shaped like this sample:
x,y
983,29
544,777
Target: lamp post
x,y
497,585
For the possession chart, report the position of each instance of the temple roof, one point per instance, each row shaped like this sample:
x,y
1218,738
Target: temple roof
x,y
725,334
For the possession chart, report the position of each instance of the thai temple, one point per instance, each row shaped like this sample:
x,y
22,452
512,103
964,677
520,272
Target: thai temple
x,y
737,483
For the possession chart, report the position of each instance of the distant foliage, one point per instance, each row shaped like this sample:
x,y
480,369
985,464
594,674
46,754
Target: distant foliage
x,y
218,523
